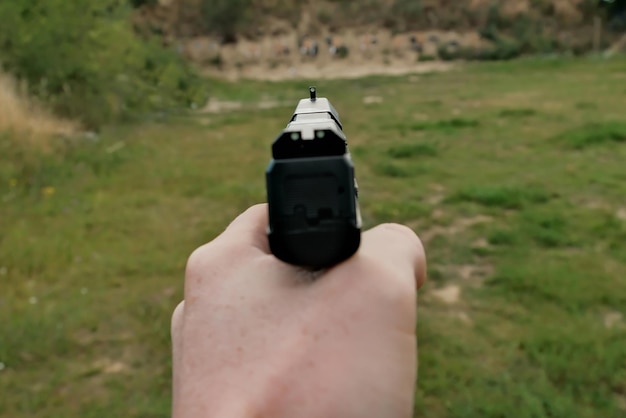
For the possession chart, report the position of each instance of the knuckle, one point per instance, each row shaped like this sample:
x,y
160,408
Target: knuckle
x,y
397,228
178,311
177,319
215,253
177,315
392,284
197,259
211,262
400,230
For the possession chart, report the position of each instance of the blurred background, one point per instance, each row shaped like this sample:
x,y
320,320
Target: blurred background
x,y
133,131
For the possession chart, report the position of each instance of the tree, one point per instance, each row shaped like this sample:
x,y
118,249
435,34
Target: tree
x,y
616,13
224,17
83,57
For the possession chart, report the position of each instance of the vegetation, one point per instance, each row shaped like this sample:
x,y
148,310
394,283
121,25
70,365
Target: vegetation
x,y
512,173
27,119
83,58
224,17
512,28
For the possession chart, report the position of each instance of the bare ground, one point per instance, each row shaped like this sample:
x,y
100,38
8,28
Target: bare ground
x,y
333,70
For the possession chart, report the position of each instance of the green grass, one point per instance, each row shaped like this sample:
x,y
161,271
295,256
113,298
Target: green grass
x,y
595,134
505,197
412,150
515,171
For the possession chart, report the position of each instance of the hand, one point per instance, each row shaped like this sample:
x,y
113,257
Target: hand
x,y
256,337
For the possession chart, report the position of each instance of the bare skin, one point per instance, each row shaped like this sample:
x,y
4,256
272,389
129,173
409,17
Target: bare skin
x,y
256,337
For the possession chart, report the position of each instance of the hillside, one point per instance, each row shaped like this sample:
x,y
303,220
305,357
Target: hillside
x,y
280,39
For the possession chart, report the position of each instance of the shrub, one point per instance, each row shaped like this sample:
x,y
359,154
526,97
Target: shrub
x,y
503,49
426,58
404,14
139,3
84,59
512,38
447,53
224,17
616,14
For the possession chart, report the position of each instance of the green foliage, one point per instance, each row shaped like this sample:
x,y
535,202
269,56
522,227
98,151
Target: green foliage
x,y
512,38
404,14
139,3
426,58
616,12
84,59
502,49
224,17
342,51
447,53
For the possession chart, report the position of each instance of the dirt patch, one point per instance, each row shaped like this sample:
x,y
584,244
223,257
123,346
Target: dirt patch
x,y
613,320
220,106
368,100
108,366
352,53
224,106
455,228
335,70
450,294
437,191
473,273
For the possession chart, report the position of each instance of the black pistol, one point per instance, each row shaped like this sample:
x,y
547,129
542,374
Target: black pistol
x,y
314,217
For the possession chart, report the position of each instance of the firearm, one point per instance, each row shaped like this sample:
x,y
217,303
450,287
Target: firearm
x,y
314,217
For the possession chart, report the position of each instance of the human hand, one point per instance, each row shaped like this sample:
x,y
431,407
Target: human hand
x,y
256,337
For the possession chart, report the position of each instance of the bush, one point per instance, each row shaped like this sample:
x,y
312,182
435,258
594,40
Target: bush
x,y
139,3
447,53
84,59
405,14
616,14
512,38
224,17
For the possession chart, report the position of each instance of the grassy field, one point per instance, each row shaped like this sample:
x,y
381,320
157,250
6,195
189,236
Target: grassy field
x,y
514,175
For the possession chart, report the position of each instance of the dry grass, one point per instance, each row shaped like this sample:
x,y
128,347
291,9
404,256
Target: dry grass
x,y
26,119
